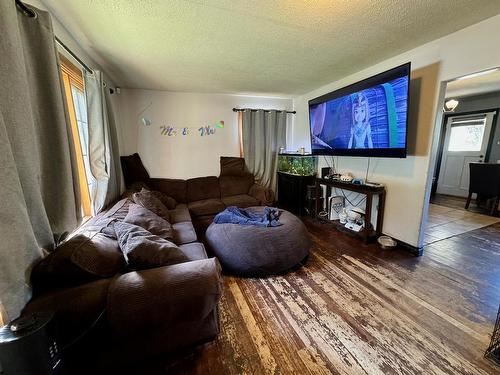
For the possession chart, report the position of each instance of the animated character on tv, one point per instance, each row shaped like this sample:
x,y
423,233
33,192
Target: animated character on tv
x,y
361,132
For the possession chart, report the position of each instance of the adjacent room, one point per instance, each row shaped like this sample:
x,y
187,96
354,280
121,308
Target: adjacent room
x,y
235,187
464,194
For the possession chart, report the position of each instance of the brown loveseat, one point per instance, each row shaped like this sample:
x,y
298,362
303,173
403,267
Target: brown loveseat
x,y
204,196
109,314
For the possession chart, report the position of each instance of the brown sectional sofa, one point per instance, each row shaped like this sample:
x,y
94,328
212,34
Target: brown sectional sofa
x,y
117,318
134,313
204,196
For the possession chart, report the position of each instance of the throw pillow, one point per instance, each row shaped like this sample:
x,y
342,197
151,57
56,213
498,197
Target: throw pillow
x,y
150,221
144,250
100,256
149,201
133,169
167,200
77,261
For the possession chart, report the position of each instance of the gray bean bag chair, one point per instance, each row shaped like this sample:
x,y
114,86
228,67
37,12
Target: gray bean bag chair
x,y
248,250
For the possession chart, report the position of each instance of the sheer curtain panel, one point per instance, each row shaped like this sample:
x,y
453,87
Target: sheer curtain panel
x,y
103,143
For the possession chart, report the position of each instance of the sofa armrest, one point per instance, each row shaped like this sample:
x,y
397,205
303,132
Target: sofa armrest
x,y
154,300
264,195
76,309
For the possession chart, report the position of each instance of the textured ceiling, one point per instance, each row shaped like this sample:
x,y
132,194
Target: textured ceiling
x,y
259,46
474,86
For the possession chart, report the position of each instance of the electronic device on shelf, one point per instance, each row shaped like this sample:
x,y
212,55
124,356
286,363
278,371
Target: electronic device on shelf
x,y
326,172
367,118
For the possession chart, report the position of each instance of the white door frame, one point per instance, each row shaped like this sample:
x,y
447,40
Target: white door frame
x,y
477,156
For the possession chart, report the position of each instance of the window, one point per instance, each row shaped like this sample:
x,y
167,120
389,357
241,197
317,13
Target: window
x,y
77,109
3,316
467,134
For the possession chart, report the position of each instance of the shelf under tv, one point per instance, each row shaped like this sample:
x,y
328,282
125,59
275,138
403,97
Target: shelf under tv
x,y
368,233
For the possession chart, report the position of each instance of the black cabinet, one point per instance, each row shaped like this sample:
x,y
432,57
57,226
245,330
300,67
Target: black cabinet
x,y
292,192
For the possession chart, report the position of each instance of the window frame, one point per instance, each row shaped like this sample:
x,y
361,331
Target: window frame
x,y
73,76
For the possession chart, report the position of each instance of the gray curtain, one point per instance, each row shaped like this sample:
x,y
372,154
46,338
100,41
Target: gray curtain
x,y
39,192
263,135
103,143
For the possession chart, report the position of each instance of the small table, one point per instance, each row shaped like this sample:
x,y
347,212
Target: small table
x,y
368,233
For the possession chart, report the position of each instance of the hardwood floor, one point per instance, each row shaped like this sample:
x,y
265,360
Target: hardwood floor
x,y
355,309
444,222
459,204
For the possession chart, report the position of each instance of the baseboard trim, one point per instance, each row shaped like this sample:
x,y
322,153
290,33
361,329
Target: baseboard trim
x,y
417,251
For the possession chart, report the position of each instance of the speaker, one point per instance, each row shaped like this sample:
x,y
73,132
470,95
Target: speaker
x,y
28,347
326,171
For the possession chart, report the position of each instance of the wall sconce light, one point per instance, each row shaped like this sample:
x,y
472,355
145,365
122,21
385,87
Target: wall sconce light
x,y
450,105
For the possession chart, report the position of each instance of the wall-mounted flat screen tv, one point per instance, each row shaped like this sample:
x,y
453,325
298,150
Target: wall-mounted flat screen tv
x,y
368,118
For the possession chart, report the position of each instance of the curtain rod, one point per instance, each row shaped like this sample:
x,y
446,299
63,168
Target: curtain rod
x,y
84,66
25,9
28,12
265,110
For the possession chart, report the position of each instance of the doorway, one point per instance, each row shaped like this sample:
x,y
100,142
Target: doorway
x,y
468,134
466,140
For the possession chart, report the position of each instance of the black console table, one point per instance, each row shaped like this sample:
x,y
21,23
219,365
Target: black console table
x,y
368,232
292,192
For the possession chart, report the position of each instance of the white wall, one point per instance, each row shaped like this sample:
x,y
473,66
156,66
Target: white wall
x,y
469,50
191,155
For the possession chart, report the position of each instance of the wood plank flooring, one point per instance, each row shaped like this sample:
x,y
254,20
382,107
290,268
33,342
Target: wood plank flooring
x,y
355,309
459,204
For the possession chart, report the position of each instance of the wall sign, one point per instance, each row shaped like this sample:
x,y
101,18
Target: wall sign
x,y
202,131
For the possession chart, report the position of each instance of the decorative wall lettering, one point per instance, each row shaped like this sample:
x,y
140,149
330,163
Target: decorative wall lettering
x,y
168,130
202,131
206,130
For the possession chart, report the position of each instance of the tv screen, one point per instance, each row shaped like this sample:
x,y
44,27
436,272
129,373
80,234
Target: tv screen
x,y
368,118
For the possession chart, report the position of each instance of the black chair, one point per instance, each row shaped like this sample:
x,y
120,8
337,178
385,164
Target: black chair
x,y
485,182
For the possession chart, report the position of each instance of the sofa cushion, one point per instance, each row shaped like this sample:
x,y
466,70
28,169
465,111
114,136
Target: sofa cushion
x,y
232,166
133,169
149,201
180,214
202,188
184,233
234,185
172,187
148,220
194,251
241,200
77,261
145,250
167,200
206,207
